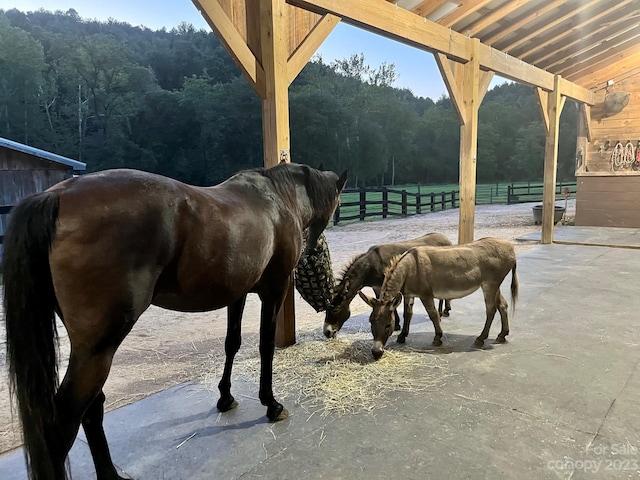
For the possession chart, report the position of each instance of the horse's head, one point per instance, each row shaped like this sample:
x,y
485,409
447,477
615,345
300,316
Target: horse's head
x,y
323,190
338,310
381,320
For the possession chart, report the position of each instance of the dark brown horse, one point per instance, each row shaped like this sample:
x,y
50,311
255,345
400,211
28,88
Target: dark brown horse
x,y
99,249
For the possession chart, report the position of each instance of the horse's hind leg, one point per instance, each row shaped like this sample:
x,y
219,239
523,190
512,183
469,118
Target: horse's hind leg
x,y
93,429
80,388
504,318
231,347
408,314
447,308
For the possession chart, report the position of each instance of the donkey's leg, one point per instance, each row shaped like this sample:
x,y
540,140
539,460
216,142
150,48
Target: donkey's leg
x,y
231,347
408,314
93,429
504,318
271,305
430,306
447,308
490,296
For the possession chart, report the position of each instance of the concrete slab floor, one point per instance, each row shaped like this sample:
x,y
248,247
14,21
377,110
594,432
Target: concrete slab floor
x,y
559,400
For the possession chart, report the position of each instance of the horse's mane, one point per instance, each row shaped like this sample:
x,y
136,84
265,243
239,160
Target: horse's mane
x,y
322,192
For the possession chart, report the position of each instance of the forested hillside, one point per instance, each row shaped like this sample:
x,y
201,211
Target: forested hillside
x,y
173,102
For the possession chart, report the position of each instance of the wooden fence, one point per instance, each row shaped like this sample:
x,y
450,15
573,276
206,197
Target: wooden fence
x,y
385,202
533,192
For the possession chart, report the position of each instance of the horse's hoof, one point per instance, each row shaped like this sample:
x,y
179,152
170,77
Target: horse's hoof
x,y
479,342
402,338
437,342
277,413
226,404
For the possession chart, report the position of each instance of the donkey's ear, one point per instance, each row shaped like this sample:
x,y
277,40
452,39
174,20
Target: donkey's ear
x,y
396,301
321,166
346,283
368,300
341,181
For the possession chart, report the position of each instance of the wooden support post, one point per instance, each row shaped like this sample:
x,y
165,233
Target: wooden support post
x,y
275,124
554,109
469,145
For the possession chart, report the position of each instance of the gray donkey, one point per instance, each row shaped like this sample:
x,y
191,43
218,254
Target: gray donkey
x,y
367,270
449,272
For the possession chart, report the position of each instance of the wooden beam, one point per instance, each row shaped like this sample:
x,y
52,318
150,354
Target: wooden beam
x,y
383,18
469,145
575,43
275,124
301,56
543,102
537,13
468,7
549,25
233,42
585,111
425,8
449,77
580,27
619,70
485,80
554,109
495,16
602,57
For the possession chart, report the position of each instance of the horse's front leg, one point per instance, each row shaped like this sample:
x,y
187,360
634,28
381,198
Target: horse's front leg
x,y
270,308
93,429
231,347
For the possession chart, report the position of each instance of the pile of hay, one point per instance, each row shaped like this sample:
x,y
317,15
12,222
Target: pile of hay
x,y
336,376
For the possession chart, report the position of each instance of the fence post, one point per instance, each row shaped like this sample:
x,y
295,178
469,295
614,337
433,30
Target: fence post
x,y
363,203
418,202
404,203
453,199
433,202
509,193
385,202
443,200
336,216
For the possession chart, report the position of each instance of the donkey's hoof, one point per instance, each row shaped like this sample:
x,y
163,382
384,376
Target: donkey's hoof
x,y
437,342
277,412
445,313
501,339
402,338
479,342
226,404
396,327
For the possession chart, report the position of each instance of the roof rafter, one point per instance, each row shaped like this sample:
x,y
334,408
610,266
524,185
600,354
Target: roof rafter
x,y
496,16
468,7
491,39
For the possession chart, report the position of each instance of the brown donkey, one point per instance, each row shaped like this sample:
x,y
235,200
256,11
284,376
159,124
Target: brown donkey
x,y
445,272
367,270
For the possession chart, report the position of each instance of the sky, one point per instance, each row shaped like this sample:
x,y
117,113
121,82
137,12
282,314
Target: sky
x,y
415,69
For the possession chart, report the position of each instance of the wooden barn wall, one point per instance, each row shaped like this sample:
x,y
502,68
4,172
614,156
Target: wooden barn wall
x,y
22,175
609,195
608,201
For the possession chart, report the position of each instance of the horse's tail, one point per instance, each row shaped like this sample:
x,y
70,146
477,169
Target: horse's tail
x,y
29,309
514,287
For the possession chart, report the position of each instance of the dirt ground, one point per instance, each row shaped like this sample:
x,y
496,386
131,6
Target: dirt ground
x,y
166,348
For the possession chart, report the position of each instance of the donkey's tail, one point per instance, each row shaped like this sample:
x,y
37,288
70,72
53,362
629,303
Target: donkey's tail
x,y
514,288
29,307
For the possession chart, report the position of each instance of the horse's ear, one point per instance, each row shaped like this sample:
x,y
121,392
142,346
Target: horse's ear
x,y
321,166
397,300
341,181
368,300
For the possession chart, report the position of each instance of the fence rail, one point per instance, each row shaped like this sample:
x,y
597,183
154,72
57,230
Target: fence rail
x,y
362,203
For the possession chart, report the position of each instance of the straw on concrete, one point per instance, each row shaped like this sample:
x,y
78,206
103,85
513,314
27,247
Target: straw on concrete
x,y
336,376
